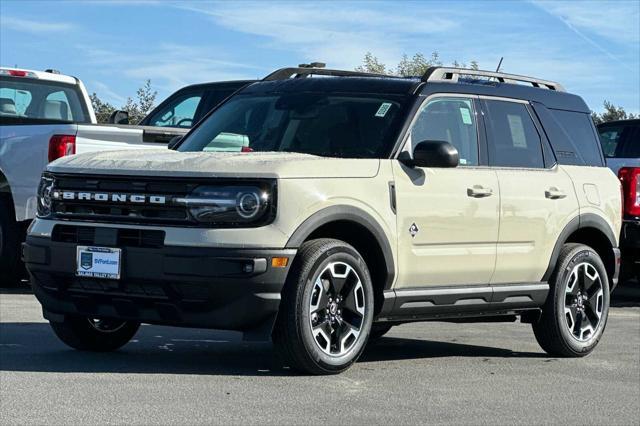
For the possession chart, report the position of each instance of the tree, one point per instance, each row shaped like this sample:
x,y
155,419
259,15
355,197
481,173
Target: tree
x,y
371,64
137,109
612,113
407,67
102,109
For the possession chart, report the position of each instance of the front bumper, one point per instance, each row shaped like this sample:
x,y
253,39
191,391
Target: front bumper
x,y
231,289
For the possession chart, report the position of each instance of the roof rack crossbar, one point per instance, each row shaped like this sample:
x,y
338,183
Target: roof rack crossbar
x,y
452,74
306,71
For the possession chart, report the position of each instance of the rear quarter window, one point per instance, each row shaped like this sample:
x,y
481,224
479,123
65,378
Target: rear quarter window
x,y
579,129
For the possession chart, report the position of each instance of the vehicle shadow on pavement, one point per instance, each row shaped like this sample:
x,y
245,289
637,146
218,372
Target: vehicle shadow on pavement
x,y
32,347
395,348
626,295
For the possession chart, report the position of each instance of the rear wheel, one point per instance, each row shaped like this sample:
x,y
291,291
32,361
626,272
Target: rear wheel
x,y
10,265
326,310
90,334
575,313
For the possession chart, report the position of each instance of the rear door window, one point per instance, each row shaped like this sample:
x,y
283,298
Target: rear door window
x,y
513,138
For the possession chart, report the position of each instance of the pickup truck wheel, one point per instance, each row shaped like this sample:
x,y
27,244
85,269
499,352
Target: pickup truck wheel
x,y
98,335
326,309
575,313
10,265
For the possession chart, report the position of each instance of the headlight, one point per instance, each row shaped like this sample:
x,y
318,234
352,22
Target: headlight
x,y
232,204
44,196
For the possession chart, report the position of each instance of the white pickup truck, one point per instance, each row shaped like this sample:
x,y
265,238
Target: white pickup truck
x,y
45,116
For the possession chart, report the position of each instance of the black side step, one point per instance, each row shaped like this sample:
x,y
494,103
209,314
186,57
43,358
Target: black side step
x,y
456,301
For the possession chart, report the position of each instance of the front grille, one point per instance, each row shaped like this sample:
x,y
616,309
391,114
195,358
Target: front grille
x,y
124,211
144,238
143,200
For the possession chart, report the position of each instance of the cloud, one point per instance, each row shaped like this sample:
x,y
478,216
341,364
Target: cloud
x,y
337,33
36,27
106,94
618,21
171,66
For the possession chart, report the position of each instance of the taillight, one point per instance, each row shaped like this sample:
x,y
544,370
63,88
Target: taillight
x,y
61,145
18,73
630,178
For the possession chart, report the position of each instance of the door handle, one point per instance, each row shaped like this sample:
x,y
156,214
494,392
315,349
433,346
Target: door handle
x,y
479,191
554,193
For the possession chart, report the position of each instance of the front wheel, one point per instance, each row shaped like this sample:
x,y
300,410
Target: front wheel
x,y
98,335
326,310
575,313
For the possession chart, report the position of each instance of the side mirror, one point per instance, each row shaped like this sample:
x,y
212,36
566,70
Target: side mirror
x,y
433,154
119,117
173,143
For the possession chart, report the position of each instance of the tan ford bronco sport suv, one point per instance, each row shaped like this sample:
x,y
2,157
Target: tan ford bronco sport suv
x,y
322,207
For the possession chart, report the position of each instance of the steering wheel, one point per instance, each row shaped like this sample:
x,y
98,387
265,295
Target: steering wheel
x,y
184,120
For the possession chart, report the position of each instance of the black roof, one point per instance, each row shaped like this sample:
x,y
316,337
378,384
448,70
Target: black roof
x,y
550,94
387,85
222,84
631,121
549,98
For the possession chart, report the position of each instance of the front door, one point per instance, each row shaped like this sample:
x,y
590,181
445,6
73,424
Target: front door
x,y
447,218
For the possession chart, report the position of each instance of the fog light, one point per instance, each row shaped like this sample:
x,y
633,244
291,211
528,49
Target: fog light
x,y
279,262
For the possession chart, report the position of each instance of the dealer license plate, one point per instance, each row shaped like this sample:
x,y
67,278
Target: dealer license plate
x,y
98,262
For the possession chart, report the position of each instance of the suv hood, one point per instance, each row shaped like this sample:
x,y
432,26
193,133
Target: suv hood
x,y
283,165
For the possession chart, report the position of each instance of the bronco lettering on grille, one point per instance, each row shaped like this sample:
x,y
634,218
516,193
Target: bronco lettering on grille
x,y
110,197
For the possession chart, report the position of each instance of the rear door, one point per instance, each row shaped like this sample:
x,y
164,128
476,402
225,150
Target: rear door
x,y
447,218
537,197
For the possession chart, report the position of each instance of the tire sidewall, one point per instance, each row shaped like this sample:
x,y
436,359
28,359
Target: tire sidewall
x,y
581,255
353,259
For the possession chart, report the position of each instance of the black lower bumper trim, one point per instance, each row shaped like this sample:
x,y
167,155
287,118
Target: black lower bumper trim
x,y
232,289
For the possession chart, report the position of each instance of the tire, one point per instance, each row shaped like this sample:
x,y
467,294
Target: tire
x,y
94,335
378,330
568,326
331,274
10,265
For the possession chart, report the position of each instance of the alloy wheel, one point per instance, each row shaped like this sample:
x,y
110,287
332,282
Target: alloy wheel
x,y
337,309
584,301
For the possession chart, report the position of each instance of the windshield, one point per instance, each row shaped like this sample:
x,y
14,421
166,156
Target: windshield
x,y
331,125
32,100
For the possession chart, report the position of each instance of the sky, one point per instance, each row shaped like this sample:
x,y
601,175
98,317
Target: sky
x,y
591,47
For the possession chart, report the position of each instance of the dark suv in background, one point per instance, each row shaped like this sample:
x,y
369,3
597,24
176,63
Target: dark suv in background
x,y
187,106
621,146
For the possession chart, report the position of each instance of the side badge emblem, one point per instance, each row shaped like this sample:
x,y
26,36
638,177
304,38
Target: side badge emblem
x,y
413,230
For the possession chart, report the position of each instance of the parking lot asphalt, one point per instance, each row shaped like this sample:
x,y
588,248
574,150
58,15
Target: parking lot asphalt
x,y
421,373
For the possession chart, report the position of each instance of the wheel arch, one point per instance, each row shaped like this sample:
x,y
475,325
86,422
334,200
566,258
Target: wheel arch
x,y
359,229
593,231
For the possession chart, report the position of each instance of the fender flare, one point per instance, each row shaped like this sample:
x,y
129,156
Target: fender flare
x,y
351,214
587,220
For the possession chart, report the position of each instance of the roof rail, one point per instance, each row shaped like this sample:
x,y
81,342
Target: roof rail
x,y
305,70
452,74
